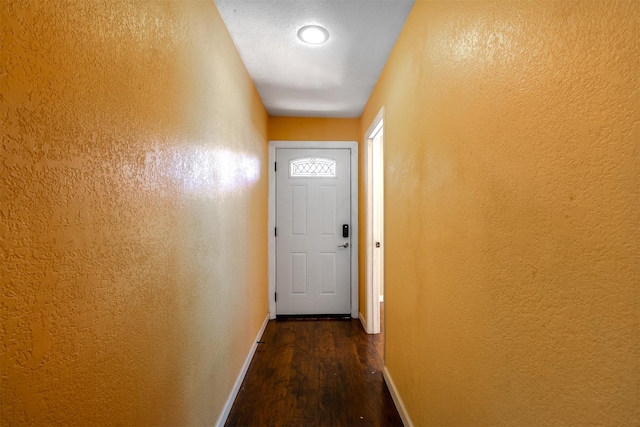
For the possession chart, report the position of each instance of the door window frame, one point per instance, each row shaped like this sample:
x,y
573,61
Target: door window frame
x,y
271,222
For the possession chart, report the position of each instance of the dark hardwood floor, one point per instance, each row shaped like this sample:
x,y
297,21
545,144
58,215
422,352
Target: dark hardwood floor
x,y
325,372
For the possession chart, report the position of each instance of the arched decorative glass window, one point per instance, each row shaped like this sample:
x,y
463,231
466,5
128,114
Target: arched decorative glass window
x,y
312,167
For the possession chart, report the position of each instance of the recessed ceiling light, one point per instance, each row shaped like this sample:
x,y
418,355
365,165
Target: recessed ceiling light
x,y
313,34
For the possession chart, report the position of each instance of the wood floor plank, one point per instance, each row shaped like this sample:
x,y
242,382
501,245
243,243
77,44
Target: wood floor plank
x,y
315,372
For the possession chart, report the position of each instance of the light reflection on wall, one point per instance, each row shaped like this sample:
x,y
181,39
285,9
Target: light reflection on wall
x,y
482,44
204,171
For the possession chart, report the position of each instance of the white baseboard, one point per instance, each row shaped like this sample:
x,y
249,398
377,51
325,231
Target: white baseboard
x,y
236,387
396,398
363,321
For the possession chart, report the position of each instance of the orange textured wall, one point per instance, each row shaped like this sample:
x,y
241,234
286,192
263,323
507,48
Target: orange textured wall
x,y
313,129
513,212
134,204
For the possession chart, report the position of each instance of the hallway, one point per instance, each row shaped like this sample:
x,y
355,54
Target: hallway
x,y
315,373
135,220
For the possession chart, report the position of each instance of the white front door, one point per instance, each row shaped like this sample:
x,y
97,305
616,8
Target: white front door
x,y
313,211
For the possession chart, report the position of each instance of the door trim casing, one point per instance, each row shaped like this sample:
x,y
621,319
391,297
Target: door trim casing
x,y
271,222
372,294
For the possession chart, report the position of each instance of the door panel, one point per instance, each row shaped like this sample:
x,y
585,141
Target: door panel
x,y
298,210
328,271
328,206
298,273
313,201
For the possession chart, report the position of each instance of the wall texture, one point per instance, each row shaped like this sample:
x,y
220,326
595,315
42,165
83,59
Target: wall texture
x,y
132,215
313,129
513,212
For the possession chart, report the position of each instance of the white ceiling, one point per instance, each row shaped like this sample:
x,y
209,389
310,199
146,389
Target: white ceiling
x,y
334,79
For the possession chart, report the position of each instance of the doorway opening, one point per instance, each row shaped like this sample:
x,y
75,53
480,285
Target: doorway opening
x,y
374,190
351,237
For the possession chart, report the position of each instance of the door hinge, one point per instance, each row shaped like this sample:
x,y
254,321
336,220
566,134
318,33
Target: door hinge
x,y
276,297
275,231
275,166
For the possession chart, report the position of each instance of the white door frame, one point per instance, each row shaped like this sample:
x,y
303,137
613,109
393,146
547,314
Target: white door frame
x,y
351,145
372,321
